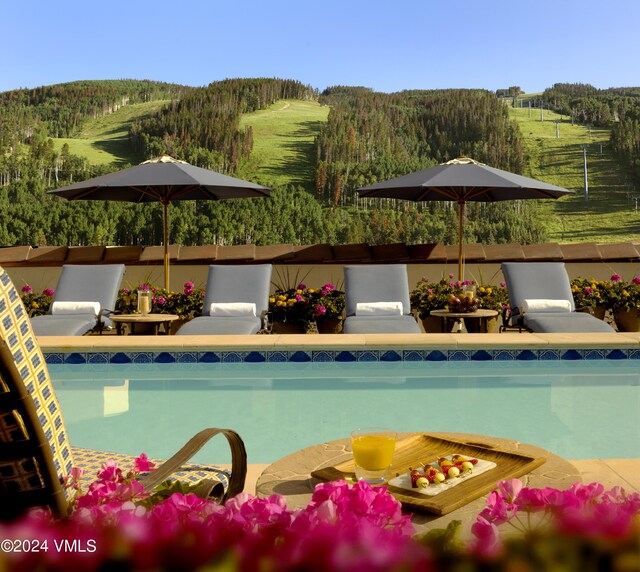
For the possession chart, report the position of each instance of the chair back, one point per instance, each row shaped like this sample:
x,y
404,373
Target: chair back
x,y
537,280
376,283
34,451
243,283
90,283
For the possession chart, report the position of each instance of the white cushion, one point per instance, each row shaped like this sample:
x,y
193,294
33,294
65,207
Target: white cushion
x,y
232,309
379,309
75,308
540,305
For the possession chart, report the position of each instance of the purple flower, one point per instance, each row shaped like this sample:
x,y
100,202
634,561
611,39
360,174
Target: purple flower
x,y
26,289
636,280
298,298
616,278
143,287
329,287
48,292
301,286
319,310
160,301
189,288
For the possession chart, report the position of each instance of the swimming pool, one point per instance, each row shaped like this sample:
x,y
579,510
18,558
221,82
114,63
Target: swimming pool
x,y
577,410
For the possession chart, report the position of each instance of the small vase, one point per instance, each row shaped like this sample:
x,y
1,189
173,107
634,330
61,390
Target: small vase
x,y
144,302
332,325
628,320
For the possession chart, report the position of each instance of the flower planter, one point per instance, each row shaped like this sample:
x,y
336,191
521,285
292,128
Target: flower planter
x,y
332,325
473,326
600,312
288,328
627,320
432,324
175,326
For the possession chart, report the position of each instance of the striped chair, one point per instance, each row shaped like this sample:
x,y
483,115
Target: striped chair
x,y
35,454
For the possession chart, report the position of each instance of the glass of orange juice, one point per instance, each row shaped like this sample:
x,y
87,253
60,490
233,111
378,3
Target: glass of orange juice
x,y
373,454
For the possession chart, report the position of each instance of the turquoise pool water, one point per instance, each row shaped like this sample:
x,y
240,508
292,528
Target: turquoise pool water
x,y
580,410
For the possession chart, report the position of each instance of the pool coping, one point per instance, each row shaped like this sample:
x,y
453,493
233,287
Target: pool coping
x,y
341,347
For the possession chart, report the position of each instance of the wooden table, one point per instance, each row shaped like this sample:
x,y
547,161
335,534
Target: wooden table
x,y
447,317
143,323
291,476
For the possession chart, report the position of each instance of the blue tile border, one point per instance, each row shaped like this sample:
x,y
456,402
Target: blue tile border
x,y
350,355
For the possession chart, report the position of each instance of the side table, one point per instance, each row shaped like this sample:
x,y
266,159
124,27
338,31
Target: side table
x,y
482,316
291,476
143,323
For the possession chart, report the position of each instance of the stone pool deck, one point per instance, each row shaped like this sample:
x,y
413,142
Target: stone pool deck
x,y
610,472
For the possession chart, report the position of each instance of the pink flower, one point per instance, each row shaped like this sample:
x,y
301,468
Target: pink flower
x,y
142,464
48,292
616,278
26,289
144,287
636,280
299,298
160,301
110,471
503,284
301,286
588,290
126,291
319,310
329,287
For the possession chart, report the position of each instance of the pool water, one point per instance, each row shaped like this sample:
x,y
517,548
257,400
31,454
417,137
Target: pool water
x,y
577,410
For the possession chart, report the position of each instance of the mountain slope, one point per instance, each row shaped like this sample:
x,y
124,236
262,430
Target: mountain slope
x,y
609,214
283,142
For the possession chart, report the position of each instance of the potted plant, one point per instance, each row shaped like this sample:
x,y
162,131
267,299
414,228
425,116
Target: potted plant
x,y
427,296
328,308
36,304
291,310
622,299
492,298
590,293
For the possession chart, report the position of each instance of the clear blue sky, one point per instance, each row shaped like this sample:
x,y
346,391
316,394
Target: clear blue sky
x,y
387,45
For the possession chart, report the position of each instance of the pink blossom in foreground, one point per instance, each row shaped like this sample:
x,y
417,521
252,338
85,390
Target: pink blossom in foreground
x,y
48,292
319,310
636,280
616,278
26,289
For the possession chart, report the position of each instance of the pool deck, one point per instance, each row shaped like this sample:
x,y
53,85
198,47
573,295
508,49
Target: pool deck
x,y
610,472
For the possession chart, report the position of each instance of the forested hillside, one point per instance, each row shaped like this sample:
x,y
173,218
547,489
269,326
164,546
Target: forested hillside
x,y
367,137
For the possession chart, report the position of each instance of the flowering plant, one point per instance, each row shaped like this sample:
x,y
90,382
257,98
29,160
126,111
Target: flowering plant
x,y
305,306
588,292
619,294
36,304
186,304
585,511
427,296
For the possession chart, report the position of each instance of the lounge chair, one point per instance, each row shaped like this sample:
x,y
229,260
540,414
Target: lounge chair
x,y
377,300
34,451
541,299
236,301
84,298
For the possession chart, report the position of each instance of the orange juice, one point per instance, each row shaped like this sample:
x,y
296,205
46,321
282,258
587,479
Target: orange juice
x,y
373,452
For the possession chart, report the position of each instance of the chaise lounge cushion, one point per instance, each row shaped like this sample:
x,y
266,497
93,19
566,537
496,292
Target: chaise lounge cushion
x,y
570,322
381,325
63,325
209,325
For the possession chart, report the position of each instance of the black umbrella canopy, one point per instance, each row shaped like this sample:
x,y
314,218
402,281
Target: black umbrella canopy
x,y
163,180
462,180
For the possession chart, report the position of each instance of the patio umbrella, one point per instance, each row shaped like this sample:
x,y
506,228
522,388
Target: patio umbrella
x,y
463,180
163,179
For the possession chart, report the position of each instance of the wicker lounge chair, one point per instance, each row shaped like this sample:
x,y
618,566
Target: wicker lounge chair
x,y
79,288
537,293
371,292
34,451
236,301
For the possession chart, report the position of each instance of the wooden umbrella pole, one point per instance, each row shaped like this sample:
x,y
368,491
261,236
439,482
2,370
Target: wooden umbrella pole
x,y
166,244
460,221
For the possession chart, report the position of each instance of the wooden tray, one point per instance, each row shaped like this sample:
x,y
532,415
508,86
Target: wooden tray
x,y
422,448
